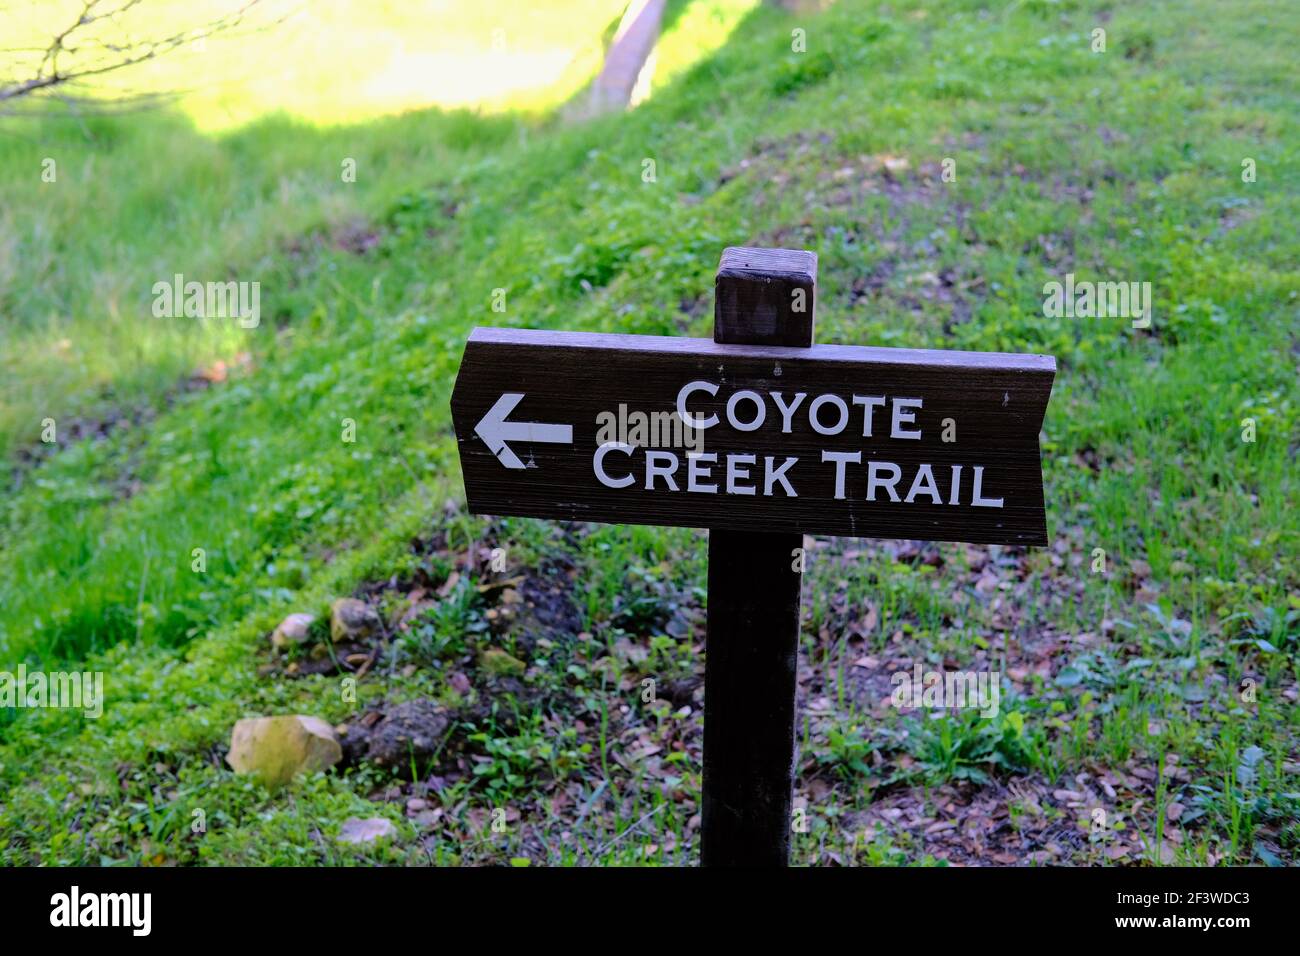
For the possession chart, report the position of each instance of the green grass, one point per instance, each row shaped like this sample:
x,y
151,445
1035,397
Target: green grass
x,y
1121,165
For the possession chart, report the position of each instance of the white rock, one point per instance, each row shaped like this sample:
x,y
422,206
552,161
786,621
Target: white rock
x,y
369,830
294,629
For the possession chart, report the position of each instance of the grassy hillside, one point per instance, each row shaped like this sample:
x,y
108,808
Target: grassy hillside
x,y
1127,672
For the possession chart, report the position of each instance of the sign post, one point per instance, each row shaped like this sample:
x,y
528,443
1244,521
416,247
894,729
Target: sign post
x,y
761,297
760,436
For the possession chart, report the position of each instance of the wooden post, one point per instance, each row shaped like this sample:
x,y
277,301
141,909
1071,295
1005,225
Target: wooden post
x,y
527,406
761,297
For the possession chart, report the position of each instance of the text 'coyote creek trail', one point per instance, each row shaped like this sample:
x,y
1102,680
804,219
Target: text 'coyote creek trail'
x,y
831,439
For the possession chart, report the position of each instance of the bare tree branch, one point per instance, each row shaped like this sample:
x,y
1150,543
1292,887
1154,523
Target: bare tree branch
x,y
76,53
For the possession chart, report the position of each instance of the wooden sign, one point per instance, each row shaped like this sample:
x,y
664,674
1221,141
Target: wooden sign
x,y
840,440
760,436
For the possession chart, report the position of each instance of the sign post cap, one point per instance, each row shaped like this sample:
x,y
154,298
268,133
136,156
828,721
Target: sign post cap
x,y
765,296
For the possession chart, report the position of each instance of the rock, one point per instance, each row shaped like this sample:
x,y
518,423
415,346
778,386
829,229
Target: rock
x,y
294,629
416,804
498,662
370,830
352,620
275,749
409,731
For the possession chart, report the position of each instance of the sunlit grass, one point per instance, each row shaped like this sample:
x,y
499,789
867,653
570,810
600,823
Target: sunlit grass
x,y
343,61
702,28
147,197
228,168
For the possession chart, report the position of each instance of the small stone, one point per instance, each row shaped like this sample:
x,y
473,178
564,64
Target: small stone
x,y
352,620
427,818
497,661
275,749
369,830
294,629
416,804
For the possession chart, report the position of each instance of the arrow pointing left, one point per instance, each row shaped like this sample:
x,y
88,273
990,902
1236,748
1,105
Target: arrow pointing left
x,y
496,431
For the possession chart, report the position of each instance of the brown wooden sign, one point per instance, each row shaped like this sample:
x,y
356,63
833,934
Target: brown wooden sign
x,y
760,436
841,440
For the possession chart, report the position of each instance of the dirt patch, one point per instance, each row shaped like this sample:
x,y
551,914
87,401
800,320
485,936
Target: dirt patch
x,y
113,417
394,736
357,238
449,620
1028,820
544,607
872,202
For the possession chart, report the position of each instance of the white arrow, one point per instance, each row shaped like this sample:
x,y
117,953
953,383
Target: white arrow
x,y
496,431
